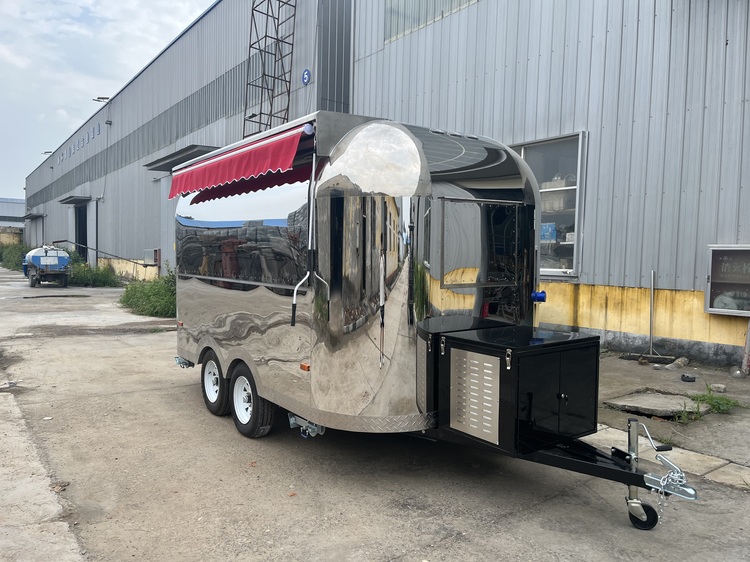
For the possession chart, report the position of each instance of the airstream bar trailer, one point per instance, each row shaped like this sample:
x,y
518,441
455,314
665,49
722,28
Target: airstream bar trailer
x,y
371,276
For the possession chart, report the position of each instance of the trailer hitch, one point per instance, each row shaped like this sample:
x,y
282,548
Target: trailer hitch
x,y
306,428
673,483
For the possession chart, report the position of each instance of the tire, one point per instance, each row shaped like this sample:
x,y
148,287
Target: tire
x,y
64,281
652,518
253,416
214,386
32,279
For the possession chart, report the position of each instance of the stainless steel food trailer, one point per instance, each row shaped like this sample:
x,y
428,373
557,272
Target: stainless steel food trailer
x,y
371,276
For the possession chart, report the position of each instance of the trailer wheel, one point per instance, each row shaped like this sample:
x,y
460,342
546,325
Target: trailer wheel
x,y
253,415
32,279
64,281
652,518
214,386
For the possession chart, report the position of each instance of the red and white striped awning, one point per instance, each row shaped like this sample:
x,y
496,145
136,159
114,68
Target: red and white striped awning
x,y
250,167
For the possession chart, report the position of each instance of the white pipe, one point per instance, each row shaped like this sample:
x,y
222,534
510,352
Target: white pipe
x,y
651,317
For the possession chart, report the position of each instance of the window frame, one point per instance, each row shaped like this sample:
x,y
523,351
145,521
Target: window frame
x,y
580,187
495,202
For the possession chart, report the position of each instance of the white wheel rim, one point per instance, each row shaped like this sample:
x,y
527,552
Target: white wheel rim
x,y
243,399
211,381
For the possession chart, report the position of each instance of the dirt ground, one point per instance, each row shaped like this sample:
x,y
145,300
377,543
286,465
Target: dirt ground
x,y
142,471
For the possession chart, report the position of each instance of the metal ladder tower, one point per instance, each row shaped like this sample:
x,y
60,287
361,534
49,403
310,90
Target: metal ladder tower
x,y
269,65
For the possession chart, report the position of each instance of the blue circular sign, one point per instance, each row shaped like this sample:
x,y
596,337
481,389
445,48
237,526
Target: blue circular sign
x,y
306,77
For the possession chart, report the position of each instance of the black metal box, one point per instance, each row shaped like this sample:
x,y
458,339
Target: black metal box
x,y
518,388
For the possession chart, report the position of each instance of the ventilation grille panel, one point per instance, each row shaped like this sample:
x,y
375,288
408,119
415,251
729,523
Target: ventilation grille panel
x,y
475,394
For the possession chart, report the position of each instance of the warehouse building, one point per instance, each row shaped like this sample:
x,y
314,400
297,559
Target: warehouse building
x,y
11,212
634,116
11,220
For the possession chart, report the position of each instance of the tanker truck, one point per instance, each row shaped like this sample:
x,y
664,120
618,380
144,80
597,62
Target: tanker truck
x,y
47,263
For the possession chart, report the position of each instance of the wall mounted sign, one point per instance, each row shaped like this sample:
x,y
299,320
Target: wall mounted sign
x,y
306,76
78,143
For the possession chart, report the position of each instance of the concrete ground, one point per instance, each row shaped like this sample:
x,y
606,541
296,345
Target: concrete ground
x,y
108,453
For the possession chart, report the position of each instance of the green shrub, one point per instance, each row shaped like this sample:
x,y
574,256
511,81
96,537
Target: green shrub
x,y
12,256
81,275
152,298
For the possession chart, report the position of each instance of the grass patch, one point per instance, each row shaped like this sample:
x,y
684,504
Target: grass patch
x,y
718,403
152,298
11,256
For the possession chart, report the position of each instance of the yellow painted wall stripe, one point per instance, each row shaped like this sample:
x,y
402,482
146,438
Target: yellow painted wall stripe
x,y
130,270
677,314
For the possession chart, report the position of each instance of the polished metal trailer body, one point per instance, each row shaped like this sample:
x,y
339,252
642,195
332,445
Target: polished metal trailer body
x,y
372,276
240,258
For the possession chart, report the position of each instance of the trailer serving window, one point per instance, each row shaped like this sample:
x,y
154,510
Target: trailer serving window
x,y
257,238
479,243
558,165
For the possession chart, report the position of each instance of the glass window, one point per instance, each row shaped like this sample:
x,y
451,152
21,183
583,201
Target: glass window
x,y
257,237
479,244
556,166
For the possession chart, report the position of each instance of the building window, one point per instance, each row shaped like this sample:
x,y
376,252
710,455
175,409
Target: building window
x,y
557,165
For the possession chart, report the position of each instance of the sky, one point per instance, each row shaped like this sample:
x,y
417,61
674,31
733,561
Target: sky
x,y
56,55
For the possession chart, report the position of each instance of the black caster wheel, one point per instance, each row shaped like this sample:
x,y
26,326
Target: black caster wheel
x,y
652,518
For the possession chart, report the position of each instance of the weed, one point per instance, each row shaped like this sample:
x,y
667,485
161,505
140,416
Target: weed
x,y
717,403
152,298
686,415
669,440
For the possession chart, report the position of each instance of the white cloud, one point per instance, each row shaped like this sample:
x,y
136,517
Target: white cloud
x,y
13,59
57,55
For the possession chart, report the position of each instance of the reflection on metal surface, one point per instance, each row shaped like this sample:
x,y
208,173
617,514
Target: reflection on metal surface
x,y
421,374
270,249
347,376
376,158
470,254
216,317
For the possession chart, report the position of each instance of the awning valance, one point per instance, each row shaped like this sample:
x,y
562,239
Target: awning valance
x,y
270,155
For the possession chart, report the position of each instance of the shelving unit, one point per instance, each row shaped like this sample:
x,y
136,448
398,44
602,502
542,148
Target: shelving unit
x,y
558,221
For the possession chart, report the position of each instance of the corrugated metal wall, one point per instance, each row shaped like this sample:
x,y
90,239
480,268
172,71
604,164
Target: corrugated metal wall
x,y
191,94
334,56
662,87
